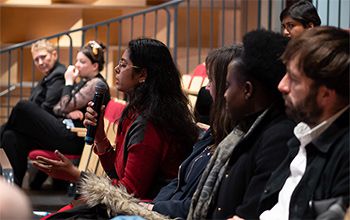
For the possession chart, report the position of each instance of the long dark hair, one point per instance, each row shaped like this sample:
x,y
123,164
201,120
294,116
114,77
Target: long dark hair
x,y
160,98
216,63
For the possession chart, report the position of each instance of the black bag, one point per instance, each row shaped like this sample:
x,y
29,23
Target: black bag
x,y
82,212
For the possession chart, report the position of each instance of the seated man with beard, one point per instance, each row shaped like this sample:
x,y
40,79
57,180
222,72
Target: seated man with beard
x,y
316,93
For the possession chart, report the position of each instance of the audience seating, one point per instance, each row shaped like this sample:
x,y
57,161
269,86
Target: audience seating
x,y
191,85
186,81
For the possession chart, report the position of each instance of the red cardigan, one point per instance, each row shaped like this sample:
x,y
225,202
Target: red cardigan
x,y
151,159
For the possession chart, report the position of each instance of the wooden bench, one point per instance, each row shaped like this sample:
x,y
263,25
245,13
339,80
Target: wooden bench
x,y
191,84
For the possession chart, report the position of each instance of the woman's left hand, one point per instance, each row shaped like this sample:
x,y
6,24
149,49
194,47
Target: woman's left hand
x,y
76,114
148,206
62,168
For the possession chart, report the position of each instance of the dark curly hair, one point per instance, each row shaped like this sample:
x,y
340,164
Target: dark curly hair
x,y
95,52
217,63
160,98
302,11
261,57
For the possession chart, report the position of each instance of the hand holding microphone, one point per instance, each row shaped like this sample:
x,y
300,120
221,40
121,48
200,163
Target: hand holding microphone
x,y
100,91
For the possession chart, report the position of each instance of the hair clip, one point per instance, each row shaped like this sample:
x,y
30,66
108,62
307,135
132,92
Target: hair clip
x,y
94,47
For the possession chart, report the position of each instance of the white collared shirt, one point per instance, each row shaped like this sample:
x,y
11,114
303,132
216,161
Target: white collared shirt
x,y
297,167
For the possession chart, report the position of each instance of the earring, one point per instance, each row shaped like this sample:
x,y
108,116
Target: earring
x,y
142,81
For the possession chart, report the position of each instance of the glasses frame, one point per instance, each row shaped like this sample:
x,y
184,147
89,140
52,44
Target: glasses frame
x,y
122,62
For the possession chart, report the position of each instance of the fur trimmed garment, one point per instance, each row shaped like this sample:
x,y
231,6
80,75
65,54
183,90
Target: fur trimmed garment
x,y
99,190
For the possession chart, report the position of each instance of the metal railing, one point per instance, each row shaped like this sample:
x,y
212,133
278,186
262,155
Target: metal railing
x,y
214,23
191,28
14,55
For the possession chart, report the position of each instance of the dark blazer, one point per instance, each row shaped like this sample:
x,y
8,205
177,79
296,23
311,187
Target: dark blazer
x,y
174,199
48,91
326,175
250,166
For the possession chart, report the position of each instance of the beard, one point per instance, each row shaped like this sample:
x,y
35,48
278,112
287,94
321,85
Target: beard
x,y
306,110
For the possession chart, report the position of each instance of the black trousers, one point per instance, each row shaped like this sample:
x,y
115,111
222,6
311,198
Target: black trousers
x,y
30,127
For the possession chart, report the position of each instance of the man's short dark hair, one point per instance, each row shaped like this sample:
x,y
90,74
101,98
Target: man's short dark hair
x,y
323,56
302,11
261,56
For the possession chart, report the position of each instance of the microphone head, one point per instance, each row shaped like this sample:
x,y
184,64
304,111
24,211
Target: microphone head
x,y
100,87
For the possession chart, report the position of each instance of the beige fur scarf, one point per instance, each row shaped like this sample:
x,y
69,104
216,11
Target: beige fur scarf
x,y
99,190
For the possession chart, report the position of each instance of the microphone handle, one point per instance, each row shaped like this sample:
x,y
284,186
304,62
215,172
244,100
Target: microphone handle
x,y
91,130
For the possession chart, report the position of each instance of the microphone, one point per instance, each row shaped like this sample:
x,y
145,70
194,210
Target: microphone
x,y
100,90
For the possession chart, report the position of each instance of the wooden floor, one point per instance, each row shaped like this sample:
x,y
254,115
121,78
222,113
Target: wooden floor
x,y
48,199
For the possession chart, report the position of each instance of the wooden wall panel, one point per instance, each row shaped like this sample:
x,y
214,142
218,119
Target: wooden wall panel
x,y
23,24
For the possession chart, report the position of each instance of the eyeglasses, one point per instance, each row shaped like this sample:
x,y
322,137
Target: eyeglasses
x,y
94,47
290,25
123,64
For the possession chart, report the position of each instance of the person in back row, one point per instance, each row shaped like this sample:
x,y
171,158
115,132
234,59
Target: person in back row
x,y
31,127
313,181
48,91
156,131
299,17
235,177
